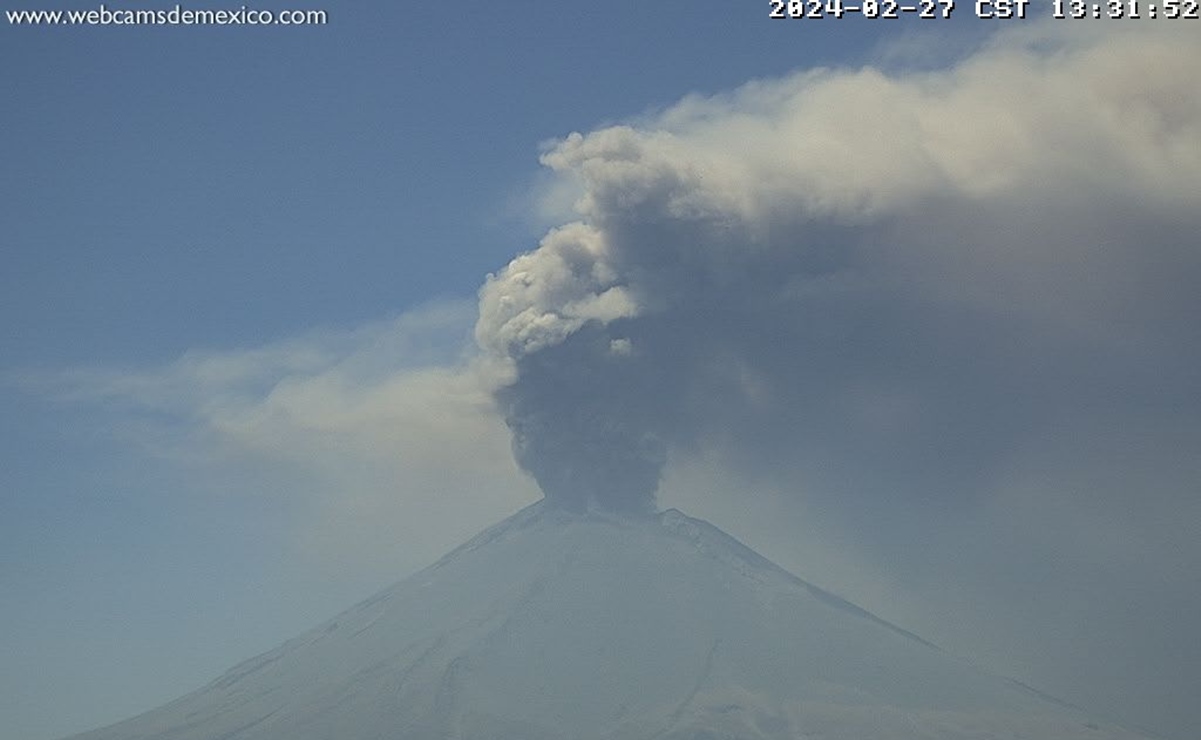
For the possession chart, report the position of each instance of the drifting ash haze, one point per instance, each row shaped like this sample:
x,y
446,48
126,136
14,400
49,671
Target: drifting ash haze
x,y
556,625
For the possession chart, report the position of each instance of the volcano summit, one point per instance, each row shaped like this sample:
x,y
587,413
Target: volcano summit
x,y
555,624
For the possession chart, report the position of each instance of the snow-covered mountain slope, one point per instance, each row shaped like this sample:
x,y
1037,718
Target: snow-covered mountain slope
x,y
556,625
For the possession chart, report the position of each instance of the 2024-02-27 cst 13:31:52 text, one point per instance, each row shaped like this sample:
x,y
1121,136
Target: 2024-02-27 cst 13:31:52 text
x,y
987,9
816,9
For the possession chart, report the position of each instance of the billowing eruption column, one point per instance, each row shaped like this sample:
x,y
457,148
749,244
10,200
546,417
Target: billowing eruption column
x,y
577,404
611,325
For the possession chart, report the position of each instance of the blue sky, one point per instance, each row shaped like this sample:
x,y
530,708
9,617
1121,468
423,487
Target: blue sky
x,y
240,277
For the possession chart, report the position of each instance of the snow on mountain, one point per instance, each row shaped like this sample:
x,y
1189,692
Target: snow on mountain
x,y
584,626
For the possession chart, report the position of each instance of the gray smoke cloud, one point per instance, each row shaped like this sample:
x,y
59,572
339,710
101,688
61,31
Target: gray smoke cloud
x,y
867,281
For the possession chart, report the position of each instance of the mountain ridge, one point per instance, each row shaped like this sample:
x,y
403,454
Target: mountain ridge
x,y
556,624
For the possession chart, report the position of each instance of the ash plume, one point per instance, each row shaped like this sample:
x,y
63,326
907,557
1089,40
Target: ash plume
x,y
862,281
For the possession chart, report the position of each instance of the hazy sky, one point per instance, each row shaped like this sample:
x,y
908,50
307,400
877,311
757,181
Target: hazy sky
x,y
919,325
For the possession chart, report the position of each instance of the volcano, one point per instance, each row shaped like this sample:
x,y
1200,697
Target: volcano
x,y
583,626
